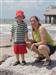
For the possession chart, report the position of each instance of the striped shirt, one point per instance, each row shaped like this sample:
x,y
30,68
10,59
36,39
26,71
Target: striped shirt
x,y
18,32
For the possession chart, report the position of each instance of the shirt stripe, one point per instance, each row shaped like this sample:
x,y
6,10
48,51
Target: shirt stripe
x,y
18,31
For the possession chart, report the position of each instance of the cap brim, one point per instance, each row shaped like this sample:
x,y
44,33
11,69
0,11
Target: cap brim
x,y
19,15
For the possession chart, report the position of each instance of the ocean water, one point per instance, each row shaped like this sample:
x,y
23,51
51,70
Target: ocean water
x,y
51,29
5,32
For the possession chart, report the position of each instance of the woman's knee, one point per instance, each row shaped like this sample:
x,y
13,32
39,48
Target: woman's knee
x,y
43,49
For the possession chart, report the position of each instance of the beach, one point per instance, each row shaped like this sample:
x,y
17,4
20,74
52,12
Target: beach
x,y
7,67
30,68
33,13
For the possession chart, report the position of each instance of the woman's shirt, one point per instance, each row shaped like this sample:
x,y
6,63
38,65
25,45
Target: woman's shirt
x,y
36,38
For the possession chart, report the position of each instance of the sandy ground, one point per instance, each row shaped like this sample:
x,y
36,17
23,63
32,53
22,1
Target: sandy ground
x,y
7,67
6,51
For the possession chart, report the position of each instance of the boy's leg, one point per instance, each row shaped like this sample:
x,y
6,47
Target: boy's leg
x,y
22,57
17,57
17,62
23,60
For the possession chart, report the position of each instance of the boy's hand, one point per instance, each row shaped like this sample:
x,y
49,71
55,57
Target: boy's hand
x,y
28,44
10,40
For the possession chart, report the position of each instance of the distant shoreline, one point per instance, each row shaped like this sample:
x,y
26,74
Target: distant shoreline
x,y
5,46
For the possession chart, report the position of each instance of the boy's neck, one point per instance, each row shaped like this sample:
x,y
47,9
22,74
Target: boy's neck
x,y
19,21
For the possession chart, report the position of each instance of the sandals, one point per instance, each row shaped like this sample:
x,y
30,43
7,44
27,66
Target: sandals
x,y
47,63
23,62
39,59
16,63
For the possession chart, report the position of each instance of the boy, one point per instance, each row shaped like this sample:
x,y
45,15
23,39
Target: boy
x,y
20,36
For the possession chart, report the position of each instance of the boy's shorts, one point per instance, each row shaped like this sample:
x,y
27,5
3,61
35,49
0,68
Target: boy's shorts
x,y
20,48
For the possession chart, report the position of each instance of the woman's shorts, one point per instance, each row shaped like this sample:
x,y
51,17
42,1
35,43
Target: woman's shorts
x,y
20,48
52,49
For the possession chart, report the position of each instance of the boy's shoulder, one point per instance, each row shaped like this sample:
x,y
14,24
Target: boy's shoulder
x,y
24,23
14,22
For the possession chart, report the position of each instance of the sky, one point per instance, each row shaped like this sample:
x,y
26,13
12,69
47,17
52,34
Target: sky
x,y
30,7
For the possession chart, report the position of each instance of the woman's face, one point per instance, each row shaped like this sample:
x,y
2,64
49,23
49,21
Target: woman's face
x,y
34,22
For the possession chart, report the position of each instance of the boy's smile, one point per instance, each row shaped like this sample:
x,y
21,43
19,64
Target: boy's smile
x,y
19,18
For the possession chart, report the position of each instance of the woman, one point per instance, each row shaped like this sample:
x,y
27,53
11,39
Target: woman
x,y
43,44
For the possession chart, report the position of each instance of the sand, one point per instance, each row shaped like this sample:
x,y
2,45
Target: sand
x,y
7,67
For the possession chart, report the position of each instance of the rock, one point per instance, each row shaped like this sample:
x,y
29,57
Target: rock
x,y
5,72
53,73
8,72
7,67
5,56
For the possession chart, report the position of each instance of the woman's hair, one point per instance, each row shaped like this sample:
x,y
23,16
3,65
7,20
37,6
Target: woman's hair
x,y
37,20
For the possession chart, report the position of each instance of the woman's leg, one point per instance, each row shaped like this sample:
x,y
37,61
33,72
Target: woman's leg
x,y
44,50
35,49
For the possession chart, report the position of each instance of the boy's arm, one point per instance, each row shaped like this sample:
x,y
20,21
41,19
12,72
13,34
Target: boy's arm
x,y
26,36
26,32
12,32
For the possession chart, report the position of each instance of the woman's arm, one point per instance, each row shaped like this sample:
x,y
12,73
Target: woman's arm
x,y
26,36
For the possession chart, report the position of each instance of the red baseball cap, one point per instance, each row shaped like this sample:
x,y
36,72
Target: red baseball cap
x,y
20,13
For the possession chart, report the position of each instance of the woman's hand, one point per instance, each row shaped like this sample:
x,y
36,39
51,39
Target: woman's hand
x,y
34,44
